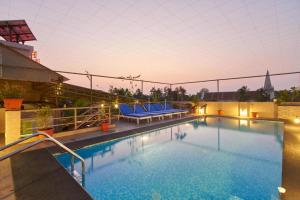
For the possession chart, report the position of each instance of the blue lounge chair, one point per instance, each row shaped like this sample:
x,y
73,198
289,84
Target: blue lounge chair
x,y
169,107
138,108
156,108
127,112
166,107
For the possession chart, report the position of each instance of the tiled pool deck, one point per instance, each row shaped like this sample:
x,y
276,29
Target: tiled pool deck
x,y
37,175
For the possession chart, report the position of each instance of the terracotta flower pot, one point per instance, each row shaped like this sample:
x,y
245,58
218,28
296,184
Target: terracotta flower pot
x,y
254,114
220,112
105,126
13,104
49,131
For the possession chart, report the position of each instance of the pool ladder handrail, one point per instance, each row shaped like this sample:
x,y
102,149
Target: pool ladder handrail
x,y
49,139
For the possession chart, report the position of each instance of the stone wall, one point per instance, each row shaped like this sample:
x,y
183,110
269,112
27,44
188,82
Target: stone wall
x,y
287,110
264,109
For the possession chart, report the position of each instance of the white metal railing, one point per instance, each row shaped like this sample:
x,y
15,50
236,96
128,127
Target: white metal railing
x,y
76,117
46,139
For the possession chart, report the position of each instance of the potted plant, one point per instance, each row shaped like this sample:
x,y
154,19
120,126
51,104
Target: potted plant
x,y
44,120
104,125
11,97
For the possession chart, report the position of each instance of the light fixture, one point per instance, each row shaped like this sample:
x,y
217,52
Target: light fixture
x,y
297,120
116,106
243,112
102,105
201,111
281,190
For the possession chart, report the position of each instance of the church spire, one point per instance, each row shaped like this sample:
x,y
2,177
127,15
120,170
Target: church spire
x,y
268,88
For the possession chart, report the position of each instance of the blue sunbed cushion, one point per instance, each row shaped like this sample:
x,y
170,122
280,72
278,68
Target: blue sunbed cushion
x,y
170,107
125,109
156,109
139,108
138,115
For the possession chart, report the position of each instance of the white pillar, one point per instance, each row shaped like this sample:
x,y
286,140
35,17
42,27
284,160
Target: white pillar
x,y
12,126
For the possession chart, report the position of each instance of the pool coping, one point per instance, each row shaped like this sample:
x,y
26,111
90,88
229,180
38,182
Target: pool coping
x,y
37,175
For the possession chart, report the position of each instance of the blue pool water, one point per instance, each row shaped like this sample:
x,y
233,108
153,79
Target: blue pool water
x,y
201,159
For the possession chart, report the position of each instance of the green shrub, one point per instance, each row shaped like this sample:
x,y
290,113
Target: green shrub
x,y
44,118
10,92
81,103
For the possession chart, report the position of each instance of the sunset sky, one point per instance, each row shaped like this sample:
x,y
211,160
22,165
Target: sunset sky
x,y
165,40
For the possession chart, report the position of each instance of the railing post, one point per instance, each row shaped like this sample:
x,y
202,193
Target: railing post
x,y
109,115
75,118
99,112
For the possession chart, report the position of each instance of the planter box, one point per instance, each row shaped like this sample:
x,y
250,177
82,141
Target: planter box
x,y
12,104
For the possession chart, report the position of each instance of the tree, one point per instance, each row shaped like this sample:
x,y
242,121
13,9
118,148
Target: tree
x,y
243,93
261,95
295,94
194,99
282,96
288,95
120,91
168,93
156,94
139,95
204,90
202,93
180,93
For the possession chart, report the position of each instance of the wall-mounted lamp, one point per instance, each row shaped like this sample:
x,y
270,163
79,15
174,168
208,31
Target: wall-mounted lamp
x,y
297,120
116,106
243,113
201,111
281,190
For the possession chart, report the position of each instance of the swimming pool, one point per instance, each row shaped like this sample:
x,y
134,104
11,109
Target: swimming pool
x,y
202,159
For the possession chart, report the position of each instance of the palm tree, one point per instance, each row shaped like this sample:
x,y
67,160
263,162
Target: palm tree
x,y
182,93
156,94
